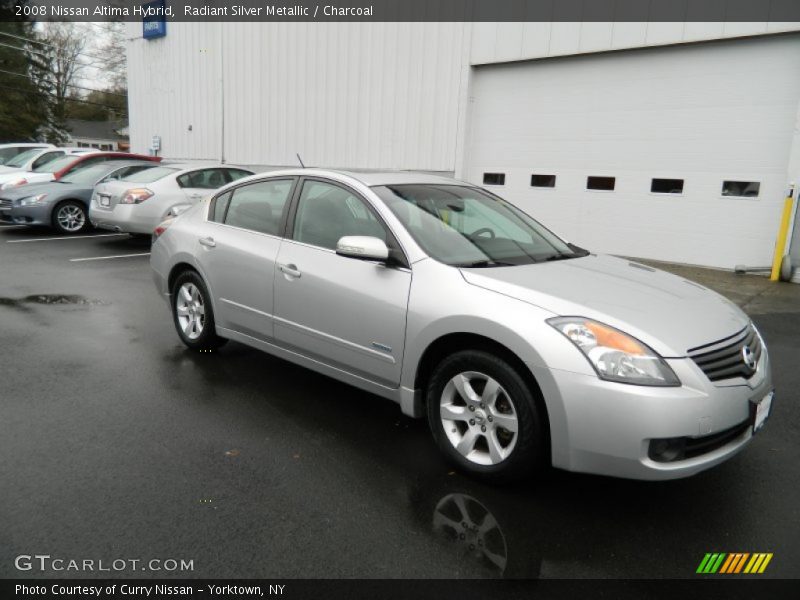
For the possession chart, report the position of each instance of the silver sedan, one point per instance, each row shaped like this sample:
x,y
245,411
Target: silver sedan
x,y
522,349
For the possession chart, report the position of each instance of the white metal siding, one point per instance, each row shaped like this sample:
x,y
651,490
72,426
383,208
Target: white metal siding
x,y
351,95
702,113
504,42
174,82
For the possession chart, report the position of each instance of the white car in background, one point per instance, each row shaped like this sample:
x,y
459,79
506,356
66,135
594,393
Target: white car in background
x,y
33,158
139,202
9,151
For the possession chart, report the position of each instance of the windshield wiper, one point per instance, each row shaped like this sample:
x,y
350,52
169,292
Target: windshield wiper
x,y
483,264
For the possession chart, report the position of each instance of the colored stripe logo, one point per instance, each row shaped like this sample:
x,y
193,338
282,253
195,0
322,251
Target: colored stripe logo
x,y
734,563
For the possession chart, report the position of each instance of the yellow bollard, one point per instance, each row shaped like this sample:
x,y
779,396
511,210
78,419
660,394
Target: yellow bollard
x,y
783,232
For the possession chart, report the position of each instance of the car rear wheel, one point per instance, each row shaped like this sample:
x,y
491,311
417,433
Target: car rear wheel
x,y
485,417
70,217
193,315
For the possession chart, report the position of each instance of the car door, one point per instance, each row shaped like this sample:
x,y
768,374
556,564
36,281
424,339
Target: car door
x,y
345,312
237,248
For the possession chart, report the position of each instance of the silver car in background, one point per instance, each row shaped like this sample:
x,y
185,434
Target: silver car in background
x,y
137,203
522,349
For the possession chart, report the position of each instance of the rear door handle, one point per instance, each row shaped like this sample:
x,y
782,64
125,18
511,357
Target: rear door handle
x,y
208,242
290,270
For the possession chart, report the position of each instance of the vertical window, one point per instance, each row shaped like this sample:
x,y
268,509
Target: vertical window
x,y
666,186
606,184
219,206
545,181
259,206
494,178
326,213
741,189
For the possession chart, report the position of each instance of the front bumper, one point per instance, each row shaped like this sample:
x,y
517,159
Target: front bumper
x,y
27,215
608,428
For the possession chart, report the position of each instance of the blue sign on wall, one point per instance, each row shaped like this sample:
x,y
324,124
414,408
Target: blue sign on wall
x,y
154,25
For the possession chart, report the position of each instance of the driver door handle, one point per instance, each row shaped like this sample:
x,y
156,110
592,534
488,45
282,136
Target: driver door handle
x,y
290,270
208,242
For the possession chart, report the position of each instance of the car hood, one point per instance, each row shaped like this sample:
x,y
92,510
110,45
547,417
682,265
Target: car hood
x,y
669,313
29,175
5,170
44,187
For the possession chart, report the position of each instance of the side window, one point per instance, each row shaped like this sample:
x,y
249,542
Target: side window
x,y
234,174
259,206
206,179
218,207
46,158
326,213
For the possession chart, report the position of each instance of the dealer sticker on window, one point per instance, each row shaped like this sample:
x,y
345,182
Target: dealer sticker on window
x,y
761,411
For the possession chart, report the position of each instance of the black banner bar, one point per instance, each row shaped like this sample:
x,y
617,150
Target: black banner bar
x,y
406,10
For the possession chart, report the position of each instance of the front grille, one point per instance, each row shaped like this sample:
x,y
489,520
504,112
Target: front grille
x,y
5,203
725,358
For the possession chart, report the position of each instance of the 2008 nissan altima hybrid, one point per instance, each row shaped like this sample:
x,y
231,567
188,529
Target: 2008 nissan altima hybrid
x,y
522,349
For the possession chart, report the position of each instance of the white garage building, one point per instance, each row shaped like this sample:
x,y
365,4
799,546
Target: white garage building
x,y
672,141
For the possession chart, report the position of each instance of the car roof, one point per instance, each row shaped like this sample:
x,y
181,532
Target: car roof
x,y
370,178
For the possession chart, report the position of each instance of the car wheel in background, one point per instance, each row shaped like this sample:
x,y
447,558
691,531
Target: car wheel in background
x,y
70,217
485,417
192,313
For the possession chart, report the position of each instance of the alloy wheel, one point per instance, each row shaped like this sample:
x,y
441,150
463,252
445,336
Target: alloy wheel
x,y
71,218
190,310
479,418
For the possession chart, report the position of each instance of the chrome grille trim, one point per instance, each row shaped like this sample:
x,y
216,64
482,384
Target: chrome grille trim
x,y
5,203
723,359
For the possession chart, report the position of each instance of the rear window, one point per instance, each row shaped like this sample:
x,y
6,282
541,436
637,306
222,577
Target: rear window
x,y
150,175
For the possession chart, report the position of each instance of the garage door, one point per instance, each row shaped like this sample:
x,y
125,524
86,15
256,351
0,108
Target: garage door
x,y
676,153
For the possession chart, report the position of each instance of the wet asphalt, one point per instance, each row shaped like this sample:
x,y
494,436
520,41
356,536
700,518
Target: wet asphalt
x,y
116,442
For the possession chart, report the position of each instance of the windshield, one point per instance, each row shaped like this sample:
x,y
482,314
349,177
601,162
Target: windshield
x,y
467,227
21,159
56,165
149,175
88,175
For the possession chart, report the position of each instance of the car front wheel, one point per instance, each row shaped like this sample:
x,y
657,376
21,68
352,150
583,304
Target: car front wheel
x,y
485,417
70,217
193,314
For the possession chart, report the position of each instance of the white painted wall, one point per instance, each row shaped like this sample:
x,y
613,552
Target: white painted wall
x,y
702,113
348,95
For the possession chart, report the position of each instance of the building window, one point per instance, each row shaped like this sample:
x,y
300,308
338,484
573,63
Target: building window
x,y
605,184
741,189
545,181
666,186
494,178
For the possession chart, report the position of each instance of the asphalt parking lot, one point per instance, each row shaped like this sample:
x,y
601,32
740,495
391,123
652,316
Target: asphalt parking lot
x,y
117,442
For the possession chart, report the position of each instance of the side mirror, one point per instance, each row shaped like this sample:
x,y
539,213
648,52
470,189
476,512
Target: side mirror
x,y
363,247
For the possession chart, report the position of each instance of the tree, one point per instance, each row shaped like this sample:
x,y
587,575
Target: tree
x,y
63,48
23,99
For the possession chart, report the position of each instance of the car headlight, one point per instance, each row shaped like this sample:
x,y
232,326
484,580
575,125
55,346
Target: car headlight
x,y
32,200
616,356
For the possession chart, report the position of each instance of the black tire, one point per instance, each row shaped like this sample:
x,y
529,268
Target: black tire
x,y
206,339
70,217
529,452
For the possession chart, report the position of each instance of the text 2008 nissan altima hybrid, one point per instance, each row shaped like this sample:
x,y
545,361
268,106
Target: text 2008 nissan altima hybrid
x,y
522,349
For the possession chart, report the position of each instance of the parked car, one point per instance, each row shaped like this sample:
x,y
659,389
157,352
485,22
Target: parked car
x,y
34,158
523,349
63,204
55,169
139,202
9,151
